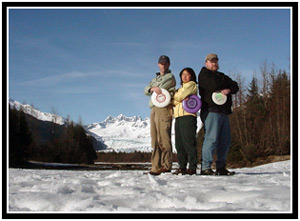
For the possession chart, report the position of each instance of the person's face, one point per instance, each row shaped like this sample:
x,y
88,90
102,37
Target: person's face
x,y
163,67
185,76
212,65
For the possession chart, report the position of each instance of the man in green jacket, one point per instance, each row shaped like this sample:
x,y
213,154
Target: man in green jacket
x,y
161,119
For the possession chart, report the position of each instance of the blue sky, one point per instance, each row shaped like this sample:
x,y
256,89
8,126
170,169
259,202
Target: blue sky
x,y
96,62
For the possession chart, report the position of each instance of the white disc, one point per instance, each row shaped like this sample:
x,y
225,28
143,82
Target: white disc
x,y
161,100
219,98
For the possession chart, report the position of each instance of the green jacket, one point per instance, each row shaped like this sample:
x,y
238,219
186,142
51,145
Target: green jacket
x,y
166,81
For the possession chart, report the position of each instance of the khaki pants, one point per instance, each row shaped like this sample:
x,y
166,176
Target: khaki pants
x,y
160,124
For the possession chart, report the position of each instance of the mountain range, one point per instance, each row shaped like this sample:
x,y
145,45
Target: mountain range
x,y
121,133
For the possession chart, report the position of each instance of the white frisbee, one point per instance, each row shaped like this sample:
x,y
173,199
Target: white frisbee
x,y
161,100
219,98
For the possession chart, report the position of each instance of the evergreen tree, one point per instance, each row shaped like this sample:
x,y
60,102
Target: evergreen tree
x,y
278,105
256,118
74,146
19,138
253,89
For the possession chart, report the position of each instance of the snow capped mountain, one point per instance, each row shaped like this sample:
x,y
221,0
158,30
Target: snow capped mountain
x,y
28,109
134,123
123,133
127,134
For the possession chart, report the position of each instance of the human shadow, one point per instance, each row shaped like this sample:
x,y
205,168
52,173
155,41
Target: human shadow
x,y
261,173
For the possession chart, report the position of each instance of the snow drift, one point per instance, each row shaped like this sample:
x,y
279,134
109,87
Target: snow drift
x,y
264,188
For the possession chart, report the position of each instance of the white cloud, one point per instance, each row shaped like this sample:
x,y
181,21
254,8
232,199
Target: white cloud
x,y
55,79
79,90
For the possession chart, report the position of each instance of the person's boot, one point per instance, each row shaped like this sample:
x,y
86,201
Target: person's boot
x,y
180,171
191,171
224,172
207,172
164,170
155,173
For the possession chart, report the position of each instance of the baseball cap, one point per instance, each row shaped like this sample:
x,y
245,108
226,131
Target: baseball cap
x,y
164,59
211,56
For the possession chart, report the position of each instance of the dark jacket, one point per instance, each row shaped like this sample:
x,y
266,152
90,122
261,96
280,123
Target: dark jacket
x,y
209,82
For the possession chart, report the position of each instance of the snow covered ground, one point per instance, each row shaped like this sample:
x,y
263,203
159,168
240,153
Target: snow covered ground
x,y
264,188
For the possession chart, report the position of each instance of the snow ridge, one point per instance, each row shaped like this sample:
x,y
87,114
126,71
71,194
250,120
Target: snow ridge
x,y
43,116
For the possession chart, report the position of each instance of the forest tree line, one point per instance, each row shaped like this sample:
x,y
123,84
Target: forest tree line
x,y
31,139
260,123
260,127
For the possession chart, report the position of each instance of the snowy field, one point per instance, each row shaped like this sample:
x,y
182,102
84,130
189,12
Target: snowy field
x,y
264,188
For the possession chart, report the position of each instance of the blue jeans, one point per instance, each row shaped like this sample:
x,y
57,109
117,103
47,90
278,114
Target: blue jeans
x,y
216,138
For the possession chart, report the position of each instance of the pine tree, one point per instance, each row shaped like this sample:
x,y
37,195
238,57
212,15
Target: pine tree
x,y
279,109
20,138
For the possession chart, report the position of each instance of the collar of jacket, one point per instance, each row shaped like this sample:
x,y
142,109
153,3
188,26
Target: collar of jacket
x,y
168,71
190,82
213,72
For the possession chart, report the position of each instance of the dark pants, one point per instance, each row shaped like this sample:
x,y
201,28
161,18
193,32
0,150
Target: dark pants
x,y
185,141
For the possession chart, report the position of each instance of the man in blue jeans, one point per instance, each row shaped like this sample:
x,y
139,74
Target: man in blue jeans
x,y
215,116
